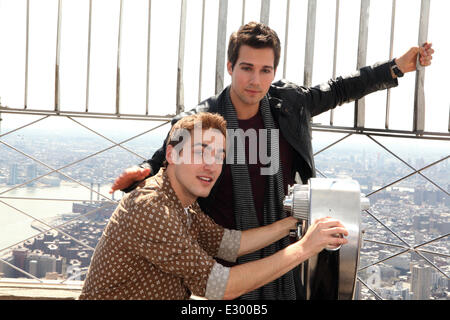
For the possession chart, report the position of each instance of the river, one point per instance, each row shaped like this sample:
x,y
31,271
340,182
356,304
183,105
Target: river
x,y
15,226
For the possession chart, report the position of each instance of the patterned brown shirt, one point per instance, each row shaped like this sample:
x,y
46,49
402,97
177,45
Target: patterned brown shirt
x,y
153,248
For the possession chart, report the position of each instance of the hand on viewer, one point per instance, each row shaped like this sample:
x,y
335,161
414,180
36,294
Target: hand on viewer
x,y
321,234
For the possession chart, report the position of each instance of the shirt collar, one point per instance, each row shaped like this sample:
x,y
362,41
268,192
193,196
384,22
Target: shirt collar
x,y
162,179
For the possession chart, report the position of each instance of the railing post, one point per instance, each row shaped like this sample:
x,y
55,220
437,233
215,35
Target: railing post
x,y
419,95
119,47
202,40
221,44
265,12
391,52
336,34
310,37
360,105
286,37
88,67
149,22
27,42
243,13
181,44
58,51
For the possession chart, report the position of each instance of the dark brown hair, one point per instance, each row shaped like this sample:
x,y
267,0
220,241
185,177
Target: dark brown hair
x,y
255,35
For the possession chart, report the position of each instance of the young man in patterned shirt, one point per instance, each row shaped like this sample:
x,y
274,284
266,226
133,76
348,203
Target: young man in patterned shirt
x,y
159,244
243,197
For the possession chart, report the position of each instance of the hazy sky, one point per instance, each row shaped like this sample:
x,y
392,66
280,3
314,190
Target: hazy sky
x,y
165,16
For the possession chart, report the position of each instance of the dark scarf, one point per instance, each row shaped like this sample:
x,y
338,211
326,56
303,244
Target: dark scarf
x,y
282,288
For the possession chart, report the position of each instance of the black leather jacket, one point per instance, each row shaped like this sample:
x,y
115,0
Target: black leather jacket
x,y
293,107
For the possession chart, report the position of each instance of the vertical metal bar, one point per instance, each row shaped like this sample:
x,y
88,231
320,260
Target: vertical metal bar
x,y
286,37
360,106
265,11
243,13
391,52
200,72
58,51
221,44
449,118
181,43
25,103
336,33
119,47
310,38
148,56
88,67
419,95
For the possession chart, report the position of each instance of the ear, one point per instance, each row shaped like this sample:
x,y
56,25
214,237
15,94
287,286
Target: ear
x,y
169,154
229,68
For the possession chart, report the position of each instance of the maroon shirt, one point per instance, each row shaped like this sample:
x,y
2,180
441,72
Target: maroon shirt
x,y
221,209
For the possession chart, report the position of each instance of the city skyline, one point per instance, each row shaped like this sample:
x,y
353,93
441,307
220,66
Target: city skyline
x,y
413,208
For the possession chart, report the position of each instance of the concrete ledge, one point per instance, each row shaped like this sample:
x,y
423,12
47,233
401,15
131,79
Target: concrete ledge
x,y
48,290
26,289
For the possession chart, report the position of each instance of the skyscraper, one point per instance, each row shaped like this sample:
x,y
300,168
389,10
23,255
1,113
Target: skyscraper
x,y
421,282
13,174
31,173
19,257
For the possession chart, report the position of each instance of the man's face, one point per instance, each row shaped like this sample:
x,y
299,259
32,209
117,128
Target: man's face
x,y
198,164
252,75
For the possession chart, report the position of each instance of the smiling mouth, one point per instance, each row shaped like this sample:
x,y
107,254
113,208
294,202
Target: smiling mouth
x,y
205,179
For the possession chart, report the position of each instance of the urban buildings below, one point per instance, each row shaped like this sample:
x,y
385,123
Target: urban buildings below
x,y
414,209
55,254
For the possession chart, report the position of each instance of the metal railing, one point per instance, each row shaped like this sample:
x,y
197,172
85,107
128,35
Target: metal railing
x,y
265,8
359,114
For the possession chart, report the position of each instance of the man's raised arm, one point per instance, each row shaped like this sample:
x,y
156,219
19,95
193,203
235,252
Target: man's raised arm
x,y
368,79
